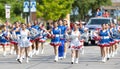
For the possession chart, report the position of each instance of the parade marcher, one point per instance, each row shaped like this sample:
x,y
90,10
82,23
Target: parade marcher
x,y
35,27
104,42
8,26
116,37
13,40
67,30
55,41
62,39
41,38
112,41
75,44
17,34
24,43
83,31
4,38
31,38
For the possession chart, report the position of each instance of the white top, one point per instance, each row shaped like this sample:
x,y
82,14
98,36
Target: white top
x,y
75,36
24,34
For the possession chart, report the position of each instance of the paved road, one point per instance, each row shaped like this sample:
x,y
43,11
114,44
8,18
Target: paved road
x,y
90,60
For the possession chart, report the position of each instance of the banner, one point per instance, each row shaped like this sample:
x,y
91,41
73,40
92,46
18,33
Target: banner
x,y
26,6
33,6
7,11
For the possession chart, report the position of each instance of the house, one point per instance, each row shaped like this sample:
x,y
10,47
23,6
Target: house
x,y
114,9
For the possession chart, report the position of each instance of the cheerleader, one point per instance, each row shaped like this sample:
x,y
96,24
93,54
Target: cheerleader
x,y
104,42
62,39
115,34
75,43
13,39
42,36
111,42
67,30
35,27
117,37
83,31
4,38
8,27
24,43
55,41
112,39
17,34
31,38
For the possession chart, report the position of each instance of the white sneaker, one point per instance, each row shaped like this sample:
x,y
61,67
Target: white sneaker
x,y
37,52
20,60
113,54
18,56
4,54
42,51
104,59
60,58
64,55
27,60
30,54
33,52
82,51
23,57
73,59
76,61
108,55
56,58
14,52
11,52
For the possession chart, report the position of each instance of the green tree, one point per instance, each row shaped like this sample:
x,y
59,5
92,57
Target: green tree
x,y
2,11
85,5
53,9
15,11
99,3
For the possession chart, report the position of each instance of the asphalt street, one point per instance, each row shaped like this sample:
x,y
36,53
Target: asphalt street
x,y
90,60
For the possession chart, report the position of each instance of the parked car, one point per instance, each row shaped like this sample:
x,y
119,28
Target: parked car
x,y
95,23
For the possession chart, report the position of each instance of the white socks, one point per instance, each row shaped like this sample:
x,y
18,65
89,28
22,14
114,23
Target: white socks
x,y
82,50
33,51
104,59
37,52
42,51
27,60
56,58
113,54
30,54
21,58
18,56
64,55
75,60
108,55
4,53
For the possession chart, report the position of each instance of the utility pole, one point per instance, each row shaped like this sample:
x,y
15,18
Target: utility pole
x,y
29,11
29,8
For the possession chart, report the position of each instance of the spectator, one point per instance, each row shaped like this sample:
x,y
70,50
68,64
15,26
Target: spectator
x,y
98,13
106,14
